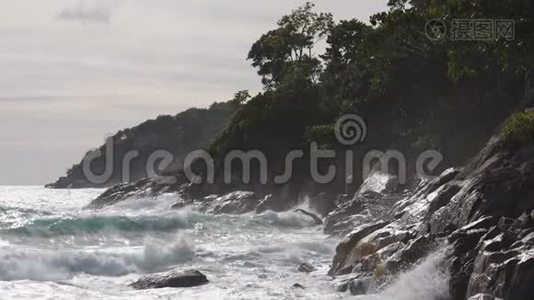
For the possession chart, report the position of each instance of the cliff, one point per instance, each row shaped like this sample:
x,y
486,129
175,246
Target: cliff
x,y
482,214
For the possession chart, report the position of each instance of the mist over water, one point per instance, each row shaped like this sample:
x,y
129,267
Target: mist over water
x,y
51,248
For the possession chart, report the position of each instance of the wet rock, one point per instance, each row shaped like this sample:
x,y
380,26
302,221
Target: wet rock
x,y
315,218
379,183
188,278
297,286
237,202
373,201
359,286
344,248
282,200
443,197
484,214
306,268
483,297
147,187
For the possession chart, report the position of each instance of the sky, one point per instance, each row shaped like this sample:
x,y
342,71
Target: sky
x,y
75,71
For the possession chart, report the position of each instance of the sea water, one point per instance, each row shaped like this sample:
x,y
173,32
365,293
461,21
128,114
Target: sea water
x,y
52,248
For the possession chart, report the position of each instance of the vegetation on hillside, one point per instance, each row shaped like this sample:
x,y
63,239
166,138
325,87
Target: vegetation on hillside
x,y
415,93
189,130
520,128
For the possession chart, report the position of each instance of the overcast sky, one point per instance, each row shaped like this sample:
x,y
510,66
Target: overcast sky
x,y
73,72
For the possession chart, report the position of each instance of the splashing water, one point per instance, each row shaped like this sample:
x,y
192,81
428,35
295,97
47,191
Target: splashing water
x,y
51,248
426,281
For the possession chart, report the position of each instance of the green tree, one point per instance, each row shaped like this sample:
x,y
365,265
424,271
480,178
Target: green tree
x,y
240,97
286,54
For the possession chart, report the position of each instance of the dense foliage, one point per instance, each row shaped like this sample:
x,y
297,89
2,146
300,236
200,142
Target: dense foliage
x,y
520,128
415,93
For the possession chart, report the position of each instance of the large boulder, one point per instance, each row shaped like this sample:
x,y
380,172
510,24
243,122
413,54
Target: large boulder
x,y
174,279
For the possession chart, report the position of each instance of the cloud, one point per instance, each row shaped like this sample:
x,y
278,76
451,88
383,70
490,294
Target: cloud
x,y
87,11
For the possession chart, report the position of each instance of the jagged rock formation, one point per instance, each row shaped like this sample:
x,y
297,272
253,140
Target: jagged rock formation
x,y
190,130
485,214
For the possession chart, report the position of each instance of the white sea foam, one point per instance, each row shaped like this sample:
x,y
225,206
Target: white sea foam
x,y
158,254
17,263
426,281
96,254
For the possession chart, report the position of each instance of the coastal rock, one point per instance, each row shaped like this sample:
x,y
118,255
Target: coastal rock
x,y
147,187
344,248
484,214
373,201
483,297
306,268
393,234
357,284
278,201
238,202
315,218
175,279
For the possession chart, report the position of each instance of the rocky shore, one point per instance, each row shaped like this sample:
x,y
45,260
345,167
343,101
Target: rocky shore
x,y
481,216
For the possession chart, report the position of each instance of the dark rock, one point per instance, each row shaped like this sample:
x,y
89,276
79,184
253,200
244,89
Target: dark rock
x,y
174,279
445,178
344,248
282,200
483,297
306,268
444,196
356,285
237,202
315,218
373,201
148,187
297,286
359,286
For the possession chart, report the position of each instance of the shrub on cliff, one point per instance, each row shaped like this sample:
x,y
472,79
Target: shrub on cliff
x,y
520,128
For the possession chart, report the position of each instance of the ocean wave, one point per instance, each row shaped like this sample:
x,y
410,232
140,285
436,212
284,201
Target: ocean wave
x,y
48,265
88,224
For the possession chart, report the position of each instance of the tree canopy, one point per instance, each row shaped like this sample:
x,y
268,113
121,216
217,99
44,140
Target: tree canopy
x,y
286,54
416,93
